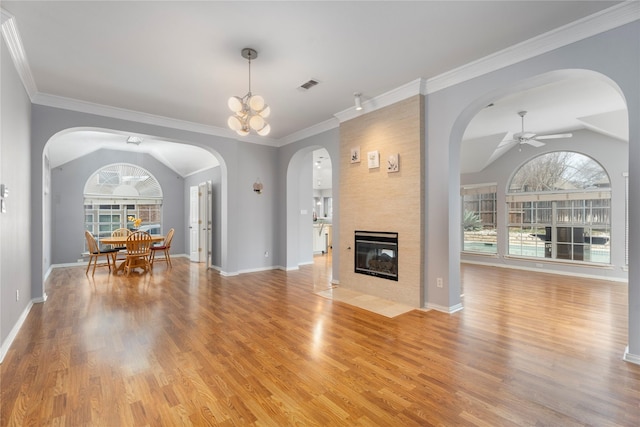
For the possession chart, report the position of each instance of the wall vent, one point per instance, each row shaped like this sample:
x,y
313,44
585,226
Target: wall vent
x,y
308,85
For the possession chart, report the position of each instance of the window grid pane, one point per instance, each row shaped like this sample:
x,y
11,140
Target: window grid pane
x,y
479,223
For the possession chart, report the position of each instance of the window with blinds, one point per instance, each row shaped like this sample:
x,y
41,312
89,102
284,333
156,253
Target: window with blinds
x,y
117,192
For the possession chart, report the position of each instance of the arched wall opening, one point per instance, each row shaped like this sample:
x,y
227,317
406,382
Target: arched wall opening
x,y
299,207
582,103
76,150
460,122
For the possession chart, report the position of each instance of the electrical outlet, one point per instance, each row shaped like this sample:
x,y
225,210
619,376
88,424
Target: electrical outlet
x,y
17,295
439,282
266,254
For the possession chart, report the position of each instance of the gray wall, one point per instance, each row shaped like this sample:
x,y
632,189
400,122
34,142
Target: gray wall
x,y
257,213
67,188
611,153
250,224
16,223
296,245
240,163
614,55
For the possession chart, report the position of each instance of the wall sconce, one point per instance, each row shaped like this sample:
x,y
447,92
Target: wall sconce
x,y
257,186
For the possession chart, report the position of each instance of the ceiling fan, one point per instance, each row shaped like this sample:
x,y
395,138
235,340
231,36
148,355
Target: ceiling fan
x,y
532,138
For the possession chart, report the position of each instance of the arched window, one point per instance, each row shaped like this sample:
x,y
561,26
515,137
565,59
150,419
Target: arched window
x,y
560,208
117,192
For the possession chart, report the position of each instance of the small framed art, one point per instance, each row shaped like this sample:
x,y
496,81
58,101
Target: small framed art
x,y
393,163
355,154
373,158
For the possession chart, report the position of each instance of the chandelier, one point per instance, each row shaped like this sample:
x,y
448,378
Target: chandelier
x,y
250,111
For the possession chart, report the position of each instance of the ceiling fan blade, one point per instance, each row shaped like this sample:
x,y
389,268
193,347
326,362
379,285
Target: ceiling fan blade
x,y
523,135
554,136
534,142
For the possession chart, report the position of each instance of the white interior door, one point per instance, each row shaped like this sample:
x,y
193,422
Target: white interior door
x,y
194,224
203,226
209,224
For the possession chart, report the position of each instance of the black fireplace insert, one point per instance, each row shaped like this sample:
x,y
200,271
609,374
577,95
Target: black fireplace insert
x,y
376,254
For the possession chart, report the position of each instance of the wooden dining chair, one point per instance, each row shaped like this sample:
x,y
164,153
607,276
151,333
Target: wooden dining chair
x,y
138,252
164,247
96,252
121,232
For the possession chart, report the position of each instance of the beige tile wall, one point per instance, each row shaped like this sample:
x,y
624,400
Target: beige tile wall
x,y
377,200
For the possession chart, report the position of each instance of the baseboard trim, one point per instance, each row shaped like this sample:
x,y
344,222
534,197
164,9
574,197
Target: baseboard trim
x,y
543,270
444,309
14,331
631,358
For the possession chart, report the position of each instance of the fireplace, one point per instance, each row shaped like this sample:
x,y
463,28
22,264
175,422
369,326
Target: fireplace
x,y
376,254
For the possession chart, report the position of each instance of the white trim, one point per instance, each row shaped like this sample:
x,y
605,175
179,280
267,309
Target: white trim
x,y
137,116
588,26
14,331
444,309
543,270
610,18
401,93
632,358
257,270
316,129
41,299
228,274
18,55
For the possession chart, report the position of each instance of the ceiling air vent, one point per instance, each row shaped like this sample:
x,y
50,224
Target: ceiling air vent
x,y
308,85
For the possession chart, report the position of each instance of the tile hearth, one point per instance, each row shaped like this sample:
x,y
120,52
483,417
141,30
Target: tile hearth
x,y
367,302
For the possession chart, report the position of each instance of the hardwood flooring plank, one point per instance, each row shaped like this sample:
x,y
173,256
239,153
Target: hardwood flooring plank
x,y
186,346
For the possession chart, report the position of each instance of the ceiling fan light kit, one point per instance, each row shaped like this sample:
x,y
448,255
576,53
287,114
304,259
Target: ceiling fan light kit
x,y
250,111
531,138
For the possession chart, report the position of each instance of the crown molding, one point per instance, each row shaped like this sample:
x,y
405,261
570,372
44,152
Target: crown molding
x,y
150,119
591,25
415,87
613,17
16,50
308,132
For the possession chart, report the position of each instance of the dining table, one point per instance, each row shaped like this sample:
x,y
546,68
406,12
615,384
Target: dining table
x,y
121,241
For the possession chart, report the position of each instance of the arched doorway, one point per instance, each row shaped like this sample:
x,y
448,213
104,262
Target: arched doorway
x,y
580,103
79,152
309,192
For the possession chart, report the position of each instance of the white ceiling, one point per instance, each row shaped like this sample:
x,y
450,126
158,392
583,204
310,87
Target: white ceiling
x,y
181,60
574,102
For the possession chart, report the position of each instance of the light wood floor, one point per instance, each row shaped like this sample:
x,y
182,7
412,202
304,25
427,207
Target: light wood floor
x,y
185,346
